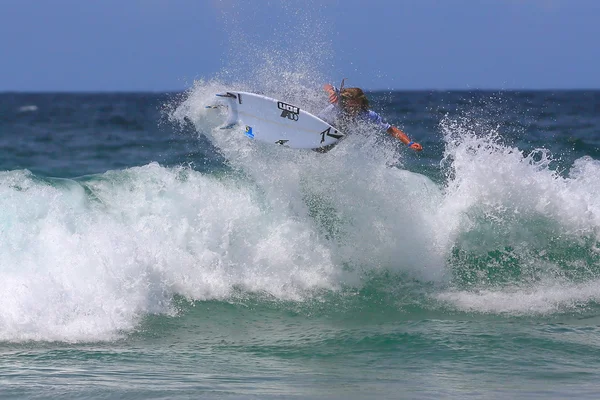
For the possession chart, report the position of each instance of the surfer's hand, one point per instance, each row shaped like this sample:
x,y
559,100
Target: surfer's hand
x,y
330,90
416,147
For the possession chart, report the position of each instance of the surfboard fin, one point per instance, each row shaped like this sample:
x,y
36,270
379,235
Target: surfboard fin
x,y
228,126
227,94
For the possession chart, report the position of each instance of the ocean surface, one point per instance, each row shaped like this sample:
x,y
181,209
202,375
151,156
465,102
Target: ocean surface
x,y
145,253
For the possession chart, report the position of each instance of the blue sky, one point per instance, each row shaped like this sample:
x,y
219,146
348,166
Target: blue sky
x,y
157,45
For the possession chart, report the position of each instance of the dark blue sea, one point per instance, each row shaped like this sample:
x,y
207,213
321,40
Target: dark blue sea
x,y
146,253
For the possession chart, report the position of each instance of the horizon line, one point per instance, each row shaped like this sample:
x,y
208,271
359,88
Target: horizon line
x,y
123,91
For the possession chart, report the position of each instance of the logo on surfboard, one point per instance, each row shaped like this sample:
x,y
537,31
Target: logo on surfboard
x,y
327,132
288,111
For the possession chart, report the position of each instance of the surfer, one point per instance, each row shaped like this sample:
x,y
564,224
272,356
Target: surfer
x,y
352,103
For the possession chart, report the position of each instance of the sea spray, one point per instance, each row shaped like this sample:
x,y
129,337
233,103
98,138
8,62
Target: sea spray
x,y
524,238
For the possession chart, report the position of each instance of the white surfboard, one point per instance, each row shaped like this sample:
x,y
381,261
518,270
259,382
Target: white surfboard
x,y
277,122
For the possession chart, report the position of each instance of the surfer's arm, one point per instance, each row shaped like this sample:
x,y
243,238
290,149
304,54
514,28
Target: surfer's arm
x,y
332,92
392,130
398,134
330,113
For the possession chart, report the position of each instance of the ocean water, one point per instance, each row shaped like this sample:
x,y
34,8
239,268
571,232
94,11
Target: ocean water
x,y
145,253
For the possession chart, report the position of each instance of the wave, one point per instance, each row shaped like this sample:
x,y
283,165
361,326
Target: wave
x,y
85,259
502,220
504,233
525,236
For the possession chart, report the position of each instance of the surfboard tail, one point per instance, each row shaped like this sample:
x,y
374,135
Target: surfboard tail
x,y
226,103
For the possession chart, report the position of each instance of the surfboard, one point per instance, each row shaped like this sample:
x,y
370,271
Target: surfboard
x,y
276,122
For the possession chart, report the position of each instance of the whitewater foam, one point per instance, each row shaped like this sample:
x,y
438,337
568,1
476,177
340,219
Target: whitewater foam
x,y
536,230
86,260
